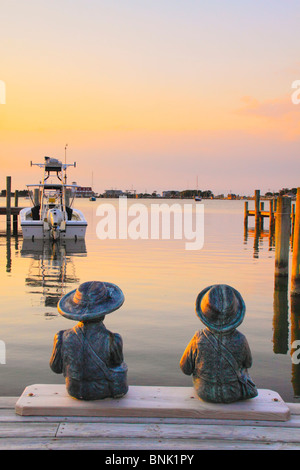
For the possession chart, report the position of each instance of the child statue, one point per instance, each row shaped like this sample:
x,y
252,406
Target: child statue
x,y
90,356
218,356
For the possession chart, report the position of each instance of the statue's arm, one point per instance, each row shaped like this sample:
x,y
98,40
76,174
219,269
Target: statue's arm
x,y
247,361
56,362
116,350
187,362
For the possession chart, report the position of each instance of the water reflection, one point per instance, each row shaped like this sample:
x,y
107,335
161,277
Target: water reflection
x,y
52,270
259,236
280,317
295,336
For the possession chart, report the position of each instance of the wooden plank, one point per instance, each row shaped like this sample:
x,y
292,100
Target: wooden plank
x,y
294,408
13,210
177,402
175,431
8,402
9,415
139,444
262,213
28,430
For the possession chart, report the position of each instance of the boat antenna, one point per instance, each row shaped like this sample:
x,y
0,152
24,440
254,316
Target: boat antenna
x,y
66,163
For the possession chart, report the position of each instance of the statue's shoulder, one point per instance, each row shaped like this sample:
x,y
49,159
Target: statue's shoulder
x,y
199,336
237,335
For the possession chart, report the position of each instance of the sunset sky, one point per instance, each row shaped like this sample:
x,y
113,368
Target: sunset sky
x,y
150,94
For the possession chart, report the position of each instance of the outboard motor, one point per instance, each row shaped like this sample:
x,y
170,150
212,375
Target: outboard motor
x,y
55,218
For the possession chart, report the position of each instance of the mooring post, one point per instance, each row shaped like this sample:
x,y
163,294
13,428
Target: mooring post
x,y
257,212
292,224
246,214
271,215
8,204
294,338
262,206
15,216
282,236
295,281
281,316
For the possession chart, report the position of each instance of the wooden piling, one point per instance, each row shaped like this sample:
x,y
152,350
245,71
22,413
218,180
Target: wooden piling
x,y
262,206
294,338
282,236
257,210
271,215
15,216
281,315
8,204
292,225
295,280
246,214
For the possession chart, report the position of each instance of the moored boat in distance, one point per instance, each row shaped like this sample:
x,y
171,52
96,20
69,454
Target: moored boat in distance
x,y
52,215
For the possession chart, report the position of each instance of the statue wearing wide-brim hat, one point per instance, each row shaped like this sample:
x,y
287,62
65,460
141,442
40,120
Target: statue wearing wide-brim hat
x,y
90,356
218,357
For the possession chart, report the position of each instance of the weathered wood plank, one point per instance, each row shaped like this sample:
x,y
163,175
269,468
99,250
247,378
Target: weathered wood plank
x,y
8,402
294,408
143,401
28,430
138,444
9,415
13,210
178,431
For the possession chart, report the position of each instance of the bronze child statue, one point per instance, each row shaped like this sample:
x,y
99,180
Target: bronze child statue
x,y
90,356
219,355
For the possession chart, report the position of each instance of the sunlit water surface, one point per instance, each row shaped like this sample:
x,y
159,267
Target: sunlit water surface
x,y
160,280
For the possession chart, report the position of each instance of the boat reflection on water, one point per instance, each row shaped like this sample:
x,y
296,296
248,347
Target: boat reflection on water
x,y
52,270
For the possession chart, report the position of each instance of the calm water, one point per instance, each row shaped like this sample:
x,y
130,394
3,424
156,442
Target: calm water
x,y
160,280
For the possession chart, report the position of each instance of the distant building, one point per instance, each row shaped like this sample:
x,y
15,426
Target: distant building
x,y
84,191
113,193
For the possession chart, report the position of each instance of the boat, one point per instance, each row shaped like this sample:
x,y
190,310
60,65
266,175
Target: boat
x,y
52,215
92,198
197,197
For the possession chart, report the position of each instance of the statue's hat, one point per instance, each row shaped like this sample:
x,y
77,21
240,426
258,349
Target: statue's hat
x,y
91,301
220,307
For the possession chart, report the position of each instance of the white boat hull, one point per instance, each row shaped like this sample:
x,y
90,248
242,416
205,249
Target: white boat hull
x,y
39,230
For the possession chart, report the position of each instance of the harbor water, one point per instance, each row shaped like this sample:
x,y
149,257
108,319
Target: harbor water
x,y
160,279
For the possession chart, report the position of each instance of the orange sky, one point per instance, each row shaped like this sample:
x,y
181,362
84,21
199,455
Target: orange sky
x,y
151,95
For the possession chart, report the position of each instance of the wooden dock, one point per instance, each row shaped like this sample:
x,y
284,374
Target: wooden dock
x,y
13,210
123,433
10,211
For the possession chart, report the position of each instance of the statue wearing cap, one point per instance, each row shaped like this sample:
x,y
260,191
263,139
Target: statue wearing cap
x,y
218,357
90,356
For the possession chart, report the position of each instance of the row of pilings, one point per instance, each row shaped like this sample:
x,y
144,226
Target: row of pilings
x,y
284,219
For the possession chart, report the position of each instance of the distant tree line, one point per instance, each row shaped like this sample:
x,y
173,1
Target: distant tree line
x,y
21,192
282,192
190,193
